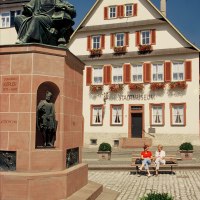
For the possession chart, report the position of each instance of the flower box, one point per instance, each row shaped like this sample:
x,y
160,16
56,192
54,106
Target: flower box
x,y
145,48
178,85
136,86
119,50
157,86
95,52
116,87
96,88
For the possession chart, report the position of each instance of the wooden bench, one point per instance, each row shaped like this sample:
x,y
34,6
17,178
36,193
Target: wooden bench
x,y
171,160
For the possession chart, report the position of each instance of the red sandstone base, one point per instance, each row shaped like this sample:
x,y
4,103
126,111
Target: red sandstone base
x,y
26,73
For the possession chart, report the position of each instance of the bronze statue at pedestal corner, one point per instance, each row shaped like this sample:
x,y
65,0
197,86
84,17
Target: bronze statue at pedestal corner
x,y
46,122
45,21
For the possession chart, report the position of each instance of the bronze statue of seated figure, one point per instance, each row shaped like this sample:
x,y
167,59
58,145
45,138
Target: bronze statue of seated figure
x,y
45,21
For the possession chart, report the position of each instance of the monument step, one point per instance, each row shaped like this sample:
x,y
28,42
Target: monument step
x,y
108,195
89,192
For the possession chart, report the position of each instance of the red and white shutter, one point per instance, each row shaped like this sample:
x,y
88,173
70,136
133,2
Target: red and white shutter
x,y
89,43
107,74
102,41
153,36
88,76
105,13
147,72
126,39
167,71
137,38
112,40
135,9
127,73
188,70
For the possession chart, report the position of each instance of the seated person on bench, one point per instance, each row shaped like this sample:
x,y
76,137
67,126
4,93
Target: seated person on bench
x,y
146,157
160,158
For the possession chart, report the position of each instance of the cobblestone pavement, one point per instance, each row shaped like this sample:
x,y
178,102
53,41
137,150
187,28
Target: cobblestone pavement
x,y
185,185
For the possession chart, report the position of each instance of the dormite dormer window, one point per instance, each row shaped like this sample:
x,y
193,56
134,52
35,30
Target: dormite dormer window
x,y
120,11
112,12
129,10
145,37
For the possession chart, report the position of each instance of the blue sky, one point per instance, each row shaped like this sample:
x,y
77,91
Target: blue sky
x,y
184,14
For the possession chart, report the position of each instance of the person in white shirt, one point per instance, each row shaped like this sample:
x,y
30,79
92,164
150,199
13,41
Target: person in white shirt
x,y
160,158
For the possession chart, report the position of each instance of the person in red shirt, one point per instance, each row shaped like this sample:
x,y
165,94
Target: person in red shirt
x,y
146,157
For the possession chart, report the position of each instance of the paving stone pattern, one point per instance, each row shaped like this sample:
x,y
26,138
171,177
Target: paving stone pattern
x,y
184,185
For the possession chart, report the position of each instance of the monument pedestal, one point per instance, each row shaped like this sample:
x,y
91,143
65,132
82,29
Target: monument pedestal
x,y
26,171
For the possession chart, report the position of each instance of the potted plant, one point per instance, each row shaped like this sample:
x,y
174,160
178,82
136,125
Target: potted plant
x,y
120,49
116,87
145,49
186,151
104,151
178,85
96,88
157,196
136,86
157,86
95,52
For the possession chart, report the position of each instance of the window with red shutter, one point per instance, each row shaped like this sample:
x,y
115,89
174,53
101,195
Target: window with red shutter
x,y
137,38
126,39
135,9
188,70
89,40
88,76
147,72
167,71
127,73
112,40
107,74
105,13
153,36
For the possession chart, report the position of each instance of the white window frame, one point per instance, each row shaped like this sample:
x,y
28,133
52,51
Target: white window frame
x,y
120,37
157,115
97,43
116,115
100,69
117,72
144,38
178,71
137,73
178,115
112,12
128,11
5,17
97,115
157,65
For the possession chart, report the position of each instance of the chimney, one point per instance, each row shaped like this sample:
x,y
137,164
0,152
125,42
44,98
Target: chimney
x,y
163,6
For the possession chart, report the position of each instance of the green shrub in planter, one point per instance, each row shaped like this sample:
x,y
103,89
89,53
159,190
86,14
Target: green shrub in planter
x,y
157,196
105,147
186,146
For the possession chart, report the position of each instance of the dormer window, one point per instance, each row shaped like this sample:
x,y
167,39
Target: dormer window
x,y
129,10
113,12
145,37
96,42
119,39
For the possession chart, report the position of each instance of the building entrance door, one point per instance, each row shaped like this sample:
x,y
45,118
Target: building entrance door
x,y
136,121
136,125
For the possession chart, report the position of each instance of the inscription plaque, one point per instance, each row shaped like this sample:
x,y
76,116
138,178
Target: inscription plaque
x,y
10,84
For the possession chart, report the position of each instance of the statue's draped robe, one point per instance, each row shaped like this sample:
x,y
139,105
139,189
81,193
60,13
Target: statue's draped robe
x,y
36,20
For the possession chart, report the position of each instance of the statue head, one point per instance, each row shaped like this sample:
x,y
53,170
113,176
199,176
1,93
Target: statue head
x,y
48,96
